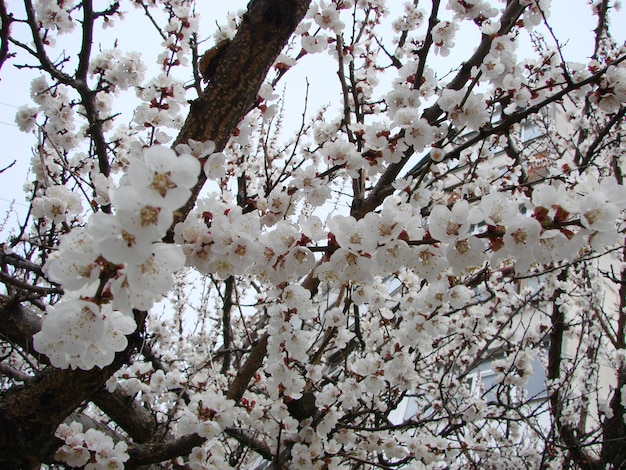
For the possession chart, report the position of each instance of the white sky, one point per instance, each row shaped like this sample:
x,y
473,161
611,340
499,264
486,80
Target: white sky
x,y
572,22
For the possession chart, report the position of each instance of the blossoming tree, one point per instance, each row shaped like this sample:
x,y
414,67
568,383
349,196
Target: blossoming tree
x,y
192,287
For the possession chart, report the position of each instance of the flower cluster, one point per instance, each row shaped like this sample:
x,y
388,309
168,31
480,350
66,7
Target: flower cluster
x,y
443,37
326,16
54,102
182,25
544,232
120,256
82,334
212,413
163,99
463,108
56,15
612,92
219,238
116,71
91,450
471,9
289,340
57,205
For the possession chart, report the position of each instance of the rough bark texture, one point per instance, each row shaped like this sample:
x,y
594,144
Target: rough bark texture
x,y
239,73
133,418
29,414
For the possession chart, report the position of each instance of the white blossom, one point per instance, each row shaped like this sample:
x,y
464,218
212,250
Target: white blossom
x,y
78,333
448,225
163,178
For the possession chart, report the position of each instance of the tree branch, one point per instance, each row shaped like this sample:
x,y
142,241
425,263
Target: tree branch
x,y
227,331
127,413
428,42
616,119
40,50
519,117
249,368
144,454
384,186
601,30
265,29
6,19
85,50
15,374
555,356
18,324
614,428
30,414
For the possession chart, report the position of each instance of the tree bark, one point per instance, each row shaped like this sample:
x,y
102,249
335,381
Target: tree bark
x,y
30,413
241,69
